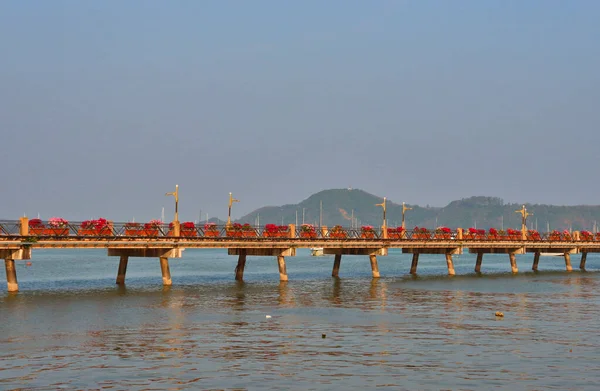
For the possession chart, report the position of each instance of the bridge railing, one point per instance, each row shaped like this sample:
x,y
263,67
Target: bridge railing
x,y
45,230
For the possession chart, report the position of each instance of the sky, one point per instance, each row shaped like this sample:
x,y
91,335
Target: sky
x,y
106,105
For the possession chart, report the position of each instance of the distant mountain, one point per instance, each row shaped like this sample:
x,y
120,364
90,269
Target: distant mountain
x,y
353,206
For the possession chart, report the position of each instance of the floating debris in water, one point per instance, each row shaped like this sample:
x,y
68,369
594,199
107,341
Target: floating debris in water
x,y
268,316
500,314
323,335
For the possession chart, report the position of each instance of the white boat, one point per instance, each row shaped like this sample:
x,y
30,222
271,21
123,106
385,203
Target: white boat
x,y
552,254
316,251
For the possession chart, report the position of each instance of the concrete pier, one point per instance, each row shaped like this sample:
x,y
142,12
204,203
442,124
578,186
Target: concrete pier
x,y
282,270
478,262
568,262
536,261
336,265
583,259
450,264
513,262
414,263
122,269
374,266
11,275
166,273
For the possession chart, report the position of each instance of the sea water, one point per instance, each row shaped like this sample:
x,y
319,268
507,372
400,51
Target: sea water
x,y
72,327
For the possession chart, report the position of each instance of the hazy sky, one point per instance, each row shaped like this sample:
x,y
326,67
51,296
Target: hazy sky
x,y
106,105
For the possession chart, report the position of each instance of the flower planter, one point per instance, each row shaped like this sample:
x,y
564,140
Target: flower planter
x,y
187,233
56,231
152,232
308,235
443,236
36,230
367,235
249,234
338,235
134,232
394,235
234,234
94,232
211,234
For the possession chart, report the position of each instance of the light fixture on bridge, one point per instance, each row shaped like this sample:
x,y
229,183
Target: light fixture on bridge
x,y
231,201
384,226
176,220
176,195
404,209
524,214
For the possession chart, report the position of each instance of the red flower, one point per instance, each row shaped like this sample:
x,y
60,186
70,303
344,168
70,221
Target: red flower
x,y
35,223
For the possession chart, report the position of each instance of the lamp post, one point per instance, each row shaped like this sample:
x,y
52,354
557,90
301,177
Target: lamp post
x,y
231,201
523,212
176,220
384,226
404,209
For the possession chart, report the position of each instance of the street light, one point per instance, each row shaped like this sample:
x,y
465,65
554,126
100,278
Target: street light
x,y
523,212
231,201
176,221
176,195
384,227
404,209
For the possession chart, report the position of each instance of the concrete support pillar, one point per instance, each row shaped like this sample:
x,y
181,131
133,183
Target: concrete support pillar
x,y
568,262
282,271
374,266
336,265
239,269
414,264
11,275
478,262
122,269
166,273
450,264
583,259
536,260
513,263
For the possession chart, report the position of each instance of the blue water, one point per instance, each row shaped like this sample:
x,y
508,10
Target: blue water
x,y
71,327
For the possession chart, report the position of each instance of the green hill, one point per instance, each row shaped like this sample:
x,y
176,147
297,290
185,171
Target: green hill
x,y
357,207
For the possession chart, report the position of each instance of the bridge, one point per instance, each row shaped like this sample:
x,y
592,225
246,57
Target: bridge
x,y
20,237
